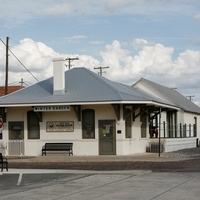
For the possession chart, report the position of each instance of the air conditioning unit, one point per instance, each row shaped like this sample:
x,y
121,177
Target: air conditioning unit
x,y
154,147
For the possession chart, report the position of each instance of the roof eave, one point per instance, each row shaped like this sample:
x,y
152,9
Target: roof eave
x,y
90,103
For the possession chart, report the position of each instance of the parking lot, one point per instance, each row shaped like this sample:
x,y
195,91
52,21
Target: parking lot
x,y
140,177
74,184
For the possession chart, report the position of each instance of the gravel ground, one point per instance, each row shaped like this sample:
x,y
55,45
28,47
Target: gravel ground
x,y
192,164
185,153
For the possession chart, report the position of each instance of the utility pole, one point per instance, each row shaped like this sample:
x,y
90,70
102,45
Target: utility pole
x,y
6,79
22,82
70,60
190,97
101,69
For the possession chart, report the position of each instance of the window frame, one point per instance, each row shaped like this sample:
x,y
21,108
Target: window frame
x,y
12,133
128,123
30,115
88,125
143,120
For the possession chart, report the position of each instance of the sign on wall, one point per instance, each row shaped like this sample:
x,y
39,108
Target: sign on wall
x,y
60,126
51,108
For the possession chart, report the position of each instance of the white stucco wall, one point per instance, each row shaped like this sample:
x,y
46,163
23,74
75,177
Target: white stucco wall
x,y
81,146
174,144
189,118
124,146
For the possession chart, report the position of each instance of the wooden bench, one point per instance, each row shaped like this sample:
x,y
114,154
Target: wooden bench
x,y
3,162
57,147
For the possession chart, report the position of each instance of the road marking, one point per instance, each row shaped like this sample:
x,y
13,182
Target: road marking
x,y
19,179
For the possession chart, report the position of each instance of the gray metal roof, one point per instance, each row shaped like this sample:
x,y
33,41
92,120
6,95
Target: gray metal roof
x,y
82,86
171,96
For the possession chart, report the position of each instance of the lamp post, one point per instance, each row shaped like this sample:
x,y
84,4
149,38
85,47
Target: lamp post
x,y
159,130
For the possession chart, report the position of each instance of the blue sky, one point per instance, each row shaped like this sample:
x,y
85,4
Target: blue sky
x,y
171,23
154,39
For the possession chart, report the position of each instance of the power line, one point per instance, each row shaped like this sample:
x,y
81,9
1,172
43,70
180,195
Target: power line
x,y
70,61
20,61
101,69
190,97
21,82
24,66
6,79
14,83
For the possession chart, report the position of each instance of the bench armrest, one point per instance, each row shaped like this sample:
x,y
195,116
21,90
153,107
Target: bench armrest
x,y
4,158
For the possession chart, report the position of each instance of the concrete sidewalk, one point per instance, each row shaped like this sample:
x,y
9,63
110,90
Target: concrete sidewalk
x,y
65,171
148,157
145,161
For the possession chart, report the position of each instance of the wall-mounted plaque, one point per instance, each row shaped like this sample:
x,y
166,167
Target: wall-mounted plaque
x,y
60,126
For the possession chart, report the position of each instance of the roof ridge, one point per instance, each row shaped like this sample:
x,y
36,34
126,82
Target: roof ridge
x,y
105,81
158,89
147,80
171,95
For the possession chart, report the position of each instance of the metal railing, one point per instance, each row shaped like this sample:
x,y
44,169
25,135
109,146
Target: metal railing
x,y
173,130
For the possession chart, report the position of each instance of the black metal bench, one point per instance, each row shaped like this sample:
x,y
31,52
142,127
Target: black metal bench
x,y
3,162
57,147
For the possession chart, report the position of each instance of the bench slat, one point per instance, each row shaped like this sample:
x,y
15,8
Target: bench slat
x,y
57,147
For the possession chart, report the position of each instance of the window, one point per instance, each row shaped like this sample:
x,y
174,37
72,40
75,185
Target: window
x,y
153,125
195,127
16,130
143,119
171,122
33,125
128,123
88,124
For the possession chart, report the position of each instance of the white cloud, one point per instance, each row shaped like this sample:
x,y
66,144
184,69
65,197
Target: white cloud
x,y
75,38
32,53
188,61
152,61
58,9
113,7
139,43
96,42
16,12
114,55
36,57
197,16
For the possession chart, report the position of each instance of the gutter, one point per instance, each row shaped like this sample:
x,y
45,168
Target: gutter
x,y
91,103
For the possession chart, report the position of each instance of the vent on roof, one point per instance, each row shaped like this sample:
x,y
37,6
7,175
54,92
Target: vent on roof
x,y
58,76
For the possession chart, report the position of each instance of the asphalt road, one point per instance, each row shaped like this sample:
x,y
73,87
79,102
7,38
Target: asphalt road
x,y
142,179
65,184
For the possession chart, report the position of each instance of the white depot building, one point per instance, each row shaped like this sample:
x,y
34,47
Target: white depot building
x,y
99,116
